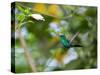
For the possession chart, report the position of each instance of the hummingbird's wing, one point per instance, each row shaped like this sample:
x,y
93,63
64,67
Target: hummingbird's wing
x,y
72,39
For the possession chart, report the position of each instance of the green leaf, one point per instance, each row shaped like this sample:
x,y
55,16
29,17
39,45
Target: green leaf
x,y
24,10
27,11
20,17
20,8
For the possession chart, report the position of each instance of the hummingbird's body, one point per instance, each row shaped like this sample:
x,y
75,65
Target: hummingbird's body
x,y
66,43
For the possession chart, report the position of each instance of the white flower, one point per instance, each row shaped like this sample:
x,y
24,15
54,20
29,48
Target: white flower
x,y
38,17
72,55
55,29
81,10
52,63
55,26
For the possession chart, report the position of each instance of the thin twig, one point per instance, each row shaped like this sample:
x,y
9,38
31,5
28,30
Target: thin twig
x,y
27,53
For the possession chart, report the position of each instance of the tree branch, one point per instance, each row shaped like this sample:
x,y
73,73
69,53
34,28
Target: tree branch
x,y
27,53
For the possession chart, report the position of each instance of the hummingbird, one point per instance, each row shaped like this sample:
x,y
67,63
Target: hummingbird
x,y
68,43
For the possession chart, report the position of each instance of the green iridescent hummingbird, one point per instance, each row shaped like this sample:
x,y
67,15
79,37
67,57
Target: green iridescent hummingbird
x,y
68,43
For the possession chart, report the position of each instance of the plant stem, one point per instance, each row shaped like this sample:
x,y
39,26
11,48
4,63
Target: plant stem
x,y
27,53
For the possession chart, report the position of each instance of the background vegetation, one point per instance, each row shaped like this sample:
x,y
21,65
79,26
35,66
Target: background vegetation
x,y
36,40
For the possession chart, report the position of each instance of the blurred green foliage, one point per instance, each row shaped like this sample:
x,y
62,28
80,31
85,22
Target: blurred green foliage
x,y
38,36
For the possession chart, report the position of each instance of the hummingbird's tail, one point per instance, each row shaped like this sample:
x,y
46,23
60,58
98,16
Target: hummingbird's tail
x,y
76,46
